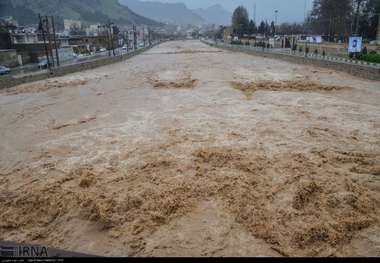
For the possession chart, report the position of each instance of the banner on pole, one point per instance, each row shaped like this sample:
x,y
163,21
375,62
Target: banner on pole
x,y
314,39
355,45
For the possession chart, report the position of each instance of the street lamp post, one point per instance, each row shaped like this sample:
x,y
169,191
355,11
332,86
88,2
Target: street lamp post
x,y
378,30
275,17
275,21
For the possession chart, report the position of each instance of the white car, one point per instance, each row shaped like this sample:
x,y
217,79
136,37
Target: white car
x,y
103,50
4,70
43,64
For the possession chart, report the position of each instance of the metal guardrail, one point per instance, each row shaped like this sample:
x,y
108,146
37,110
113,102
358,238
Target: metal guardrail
x,y
288,52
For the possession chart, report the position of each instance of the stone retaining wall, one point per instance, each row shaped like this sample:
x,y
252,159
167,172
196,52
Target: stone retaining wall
x,y
8,58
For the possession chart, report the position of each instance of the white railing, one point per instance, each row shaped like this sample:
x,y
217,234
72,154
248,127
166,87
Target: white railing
x,y
289,52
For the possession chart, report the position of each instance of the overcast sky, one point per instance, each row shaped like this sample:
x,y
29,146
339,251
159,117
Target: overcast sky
x,y
289,10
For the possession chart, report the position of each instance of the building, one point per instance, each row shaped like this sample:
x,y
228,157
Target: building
x,y
86,44
68,24
22,38
92,30
9,20
5,40
66,54
227,34
9,58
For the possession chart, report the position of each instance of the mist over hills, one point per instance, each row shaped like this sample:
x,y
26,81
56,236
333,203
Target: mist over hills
x,y
215,14
121,12
88,11
173,13
179,13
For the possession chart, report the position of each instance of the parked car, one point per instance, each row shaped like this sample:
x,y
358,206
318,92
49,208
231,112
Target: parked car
x,y
43,64
4,70
103,50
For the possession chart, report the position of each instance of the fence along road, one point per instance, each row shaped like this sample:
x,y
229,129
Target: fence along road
x,y
354,67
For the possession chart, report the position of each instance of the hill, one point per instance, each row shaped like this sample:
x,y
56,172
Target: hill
x,y
172,13
88,11
215,14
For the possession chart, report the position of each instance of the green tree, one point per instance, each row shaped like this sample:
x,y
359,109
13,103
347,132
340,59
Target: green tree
x,y
289,29
272,28
331,17
262,28
369,18
252,28
240,21
341,18
219,34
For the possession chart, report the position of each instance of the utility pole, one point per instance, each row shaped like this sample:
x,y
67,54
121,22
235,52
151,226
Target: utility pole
x,y
107,32
275,17
304,11
49,39
55,41
44,38
110,26
378,30
134,38
149,39
275,21
108,40
144,36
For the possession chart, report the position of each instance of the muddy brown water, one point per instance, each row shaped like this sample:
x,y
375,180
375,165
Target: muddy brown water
x,y
102,162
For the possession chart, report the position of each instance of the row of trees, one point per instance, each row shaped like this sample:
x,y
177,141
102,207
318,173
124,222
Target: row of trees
x,y
241,24
341,18
335,19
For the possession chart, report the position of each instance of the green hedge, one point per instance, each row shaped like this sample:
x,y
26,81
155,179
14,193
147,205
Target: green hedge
x,y
236,42
373,58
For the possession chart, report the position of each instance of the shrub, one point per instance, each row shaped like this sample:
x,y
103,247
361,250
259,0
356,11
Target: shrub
x,y
307,50
373,58
316,52
236,42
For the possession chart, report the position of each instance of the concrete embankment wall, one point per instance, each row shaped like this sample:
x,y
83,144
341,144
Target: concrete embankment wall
x,y
8,58
11,81
363,71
